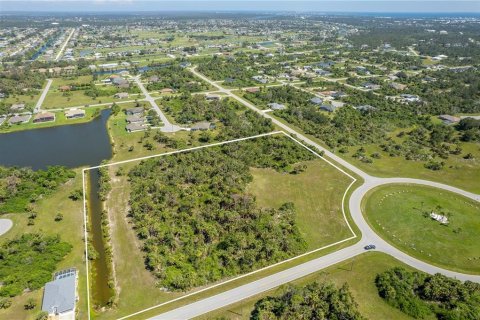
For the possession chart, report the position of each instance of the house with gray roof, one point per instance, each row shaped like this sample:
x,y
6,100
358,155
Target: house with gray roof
x,y
17,119
276,106
60,295
316,100
202,126
327,107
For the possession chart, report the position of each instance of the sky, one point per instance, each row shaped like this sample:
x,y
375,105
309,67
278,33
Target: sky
x,y
468,6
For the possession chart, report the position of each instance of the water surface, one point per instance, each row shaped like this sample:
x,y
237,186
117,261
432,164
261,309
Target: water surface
x,y
69,145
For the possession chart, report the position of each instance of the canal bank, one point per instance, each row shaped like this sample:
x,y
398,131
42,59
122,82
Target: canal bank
x,y
102,283
72,146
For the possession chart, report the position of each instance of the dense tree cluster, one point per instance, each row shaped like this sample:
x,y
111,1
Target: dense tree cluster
x,y
20,187
421,139
174,77
314,301
20,81
27,262
235,120
236,71
420,295
196,221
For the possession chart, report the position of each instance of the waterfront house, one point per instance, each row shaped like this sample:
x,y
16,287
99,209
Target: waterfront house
x,y
44,117
60,295
17,119
74,113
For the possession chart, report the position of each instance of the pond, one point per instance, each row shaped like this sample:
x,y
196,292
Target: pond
x,y
69,145
72,146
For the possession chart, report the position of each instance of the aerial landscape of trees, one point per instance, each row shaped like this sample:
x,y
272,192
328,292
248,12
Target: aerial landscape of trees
x,y
196,222
235,120
313,301
174,77
22,187
28,261
420,295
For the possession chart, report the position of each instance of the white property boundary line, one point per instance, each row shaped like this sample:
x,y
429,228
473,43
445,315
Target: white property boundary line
x,y
354,235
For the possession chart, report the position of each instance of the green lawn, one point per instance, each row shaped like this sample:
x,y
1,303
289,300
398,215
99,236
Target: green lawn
x,y
397,213
70,230
359,273
459,172
317,194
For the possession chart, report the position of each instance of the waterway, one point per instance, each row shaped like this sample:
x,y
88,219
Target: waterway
x,y
101,292
72,146
69,145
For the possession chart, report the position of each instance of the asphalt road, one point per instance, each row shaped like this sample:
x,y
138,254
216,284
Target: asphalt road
x,y
368,236
167,125
42,97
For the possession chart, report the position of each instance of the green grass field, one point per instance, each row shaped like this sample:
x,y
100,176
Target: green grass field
x,y
317,194
137,287
70,230
400,214
359,273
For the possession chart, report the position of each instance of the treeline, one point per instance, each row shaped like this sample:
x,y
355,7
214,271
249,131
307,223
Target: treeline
x,y
419,138
174,77
286,95
420,295
235,120
314,301
27,262
196,221
21,187
18,81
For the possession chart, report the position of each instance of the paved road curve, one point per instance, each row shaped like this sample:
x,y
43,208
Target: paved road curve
x,y
368,237
167,125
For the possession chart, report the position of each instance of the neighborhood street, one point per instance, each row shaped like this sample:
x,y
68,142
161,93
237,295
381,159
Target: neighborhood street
x,y
42,97
368,235
167,125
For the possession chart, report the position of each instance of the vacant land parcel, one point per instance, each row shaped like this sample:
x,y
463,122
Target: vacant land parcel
x,y
196,218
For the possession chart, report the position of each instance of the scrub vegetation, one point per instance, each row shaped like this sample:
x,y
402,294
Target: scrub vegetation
x,y
196,222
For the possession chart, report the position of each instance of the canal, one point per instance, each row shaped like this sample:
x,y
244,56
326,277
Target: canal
x,y
72,146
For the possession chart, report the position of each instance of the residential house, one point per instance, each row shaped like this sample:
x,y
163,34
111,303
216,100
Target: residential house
x,y
316,100
60,295
212,97
276,106
327,107
17,107
135,118
136,110
365,107
202,126
74,113
121,95
448,119
17,119
260,79
410,98
44,117
133,127
167,90
252,90
398,86
371,86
